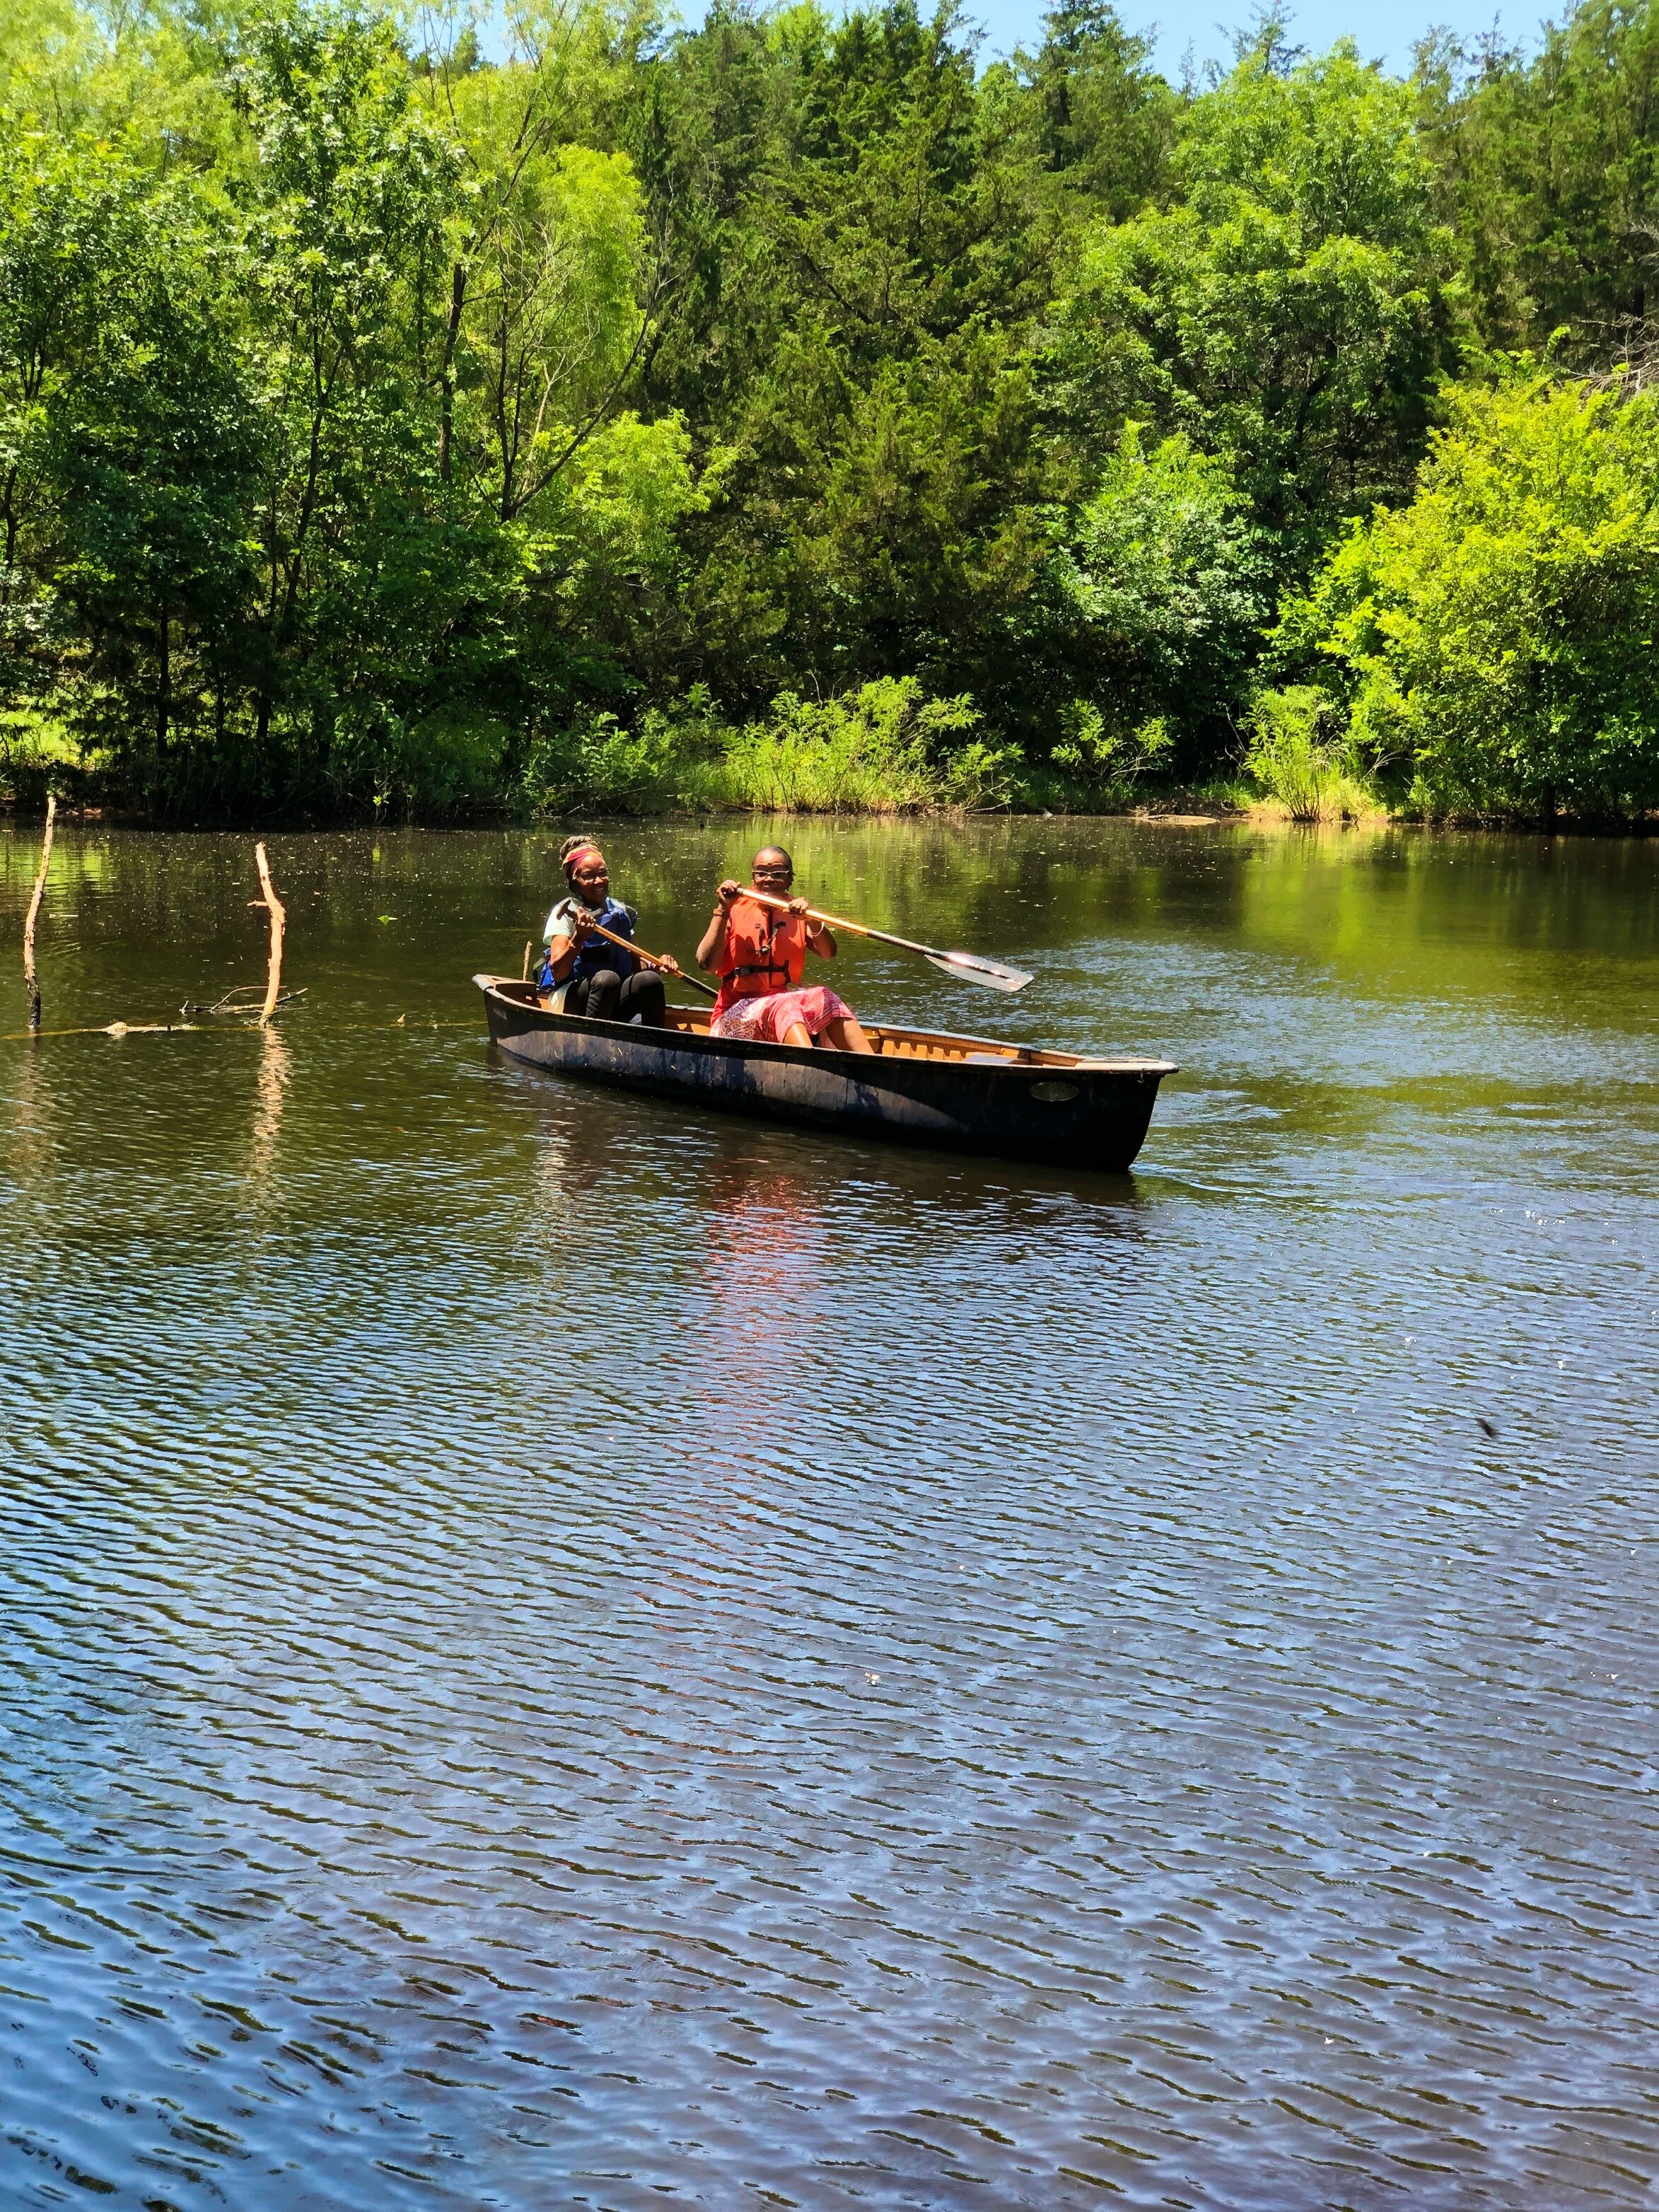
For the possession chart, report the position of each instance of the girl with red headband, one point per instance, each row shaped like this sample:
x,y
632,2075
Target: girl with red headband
x,y
581,973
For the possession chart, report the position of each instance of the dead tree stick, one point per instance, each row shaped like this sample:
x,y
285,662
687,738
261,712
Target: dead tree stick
x,y
278,917
29,975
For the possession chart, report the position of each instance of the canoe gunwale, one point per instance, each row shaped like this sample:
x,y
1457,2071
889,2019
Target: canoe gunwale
x,y
524,999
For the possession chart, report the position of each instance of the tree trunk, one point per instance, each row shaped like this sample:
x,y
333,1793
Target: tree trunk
x,y
10,513
447,402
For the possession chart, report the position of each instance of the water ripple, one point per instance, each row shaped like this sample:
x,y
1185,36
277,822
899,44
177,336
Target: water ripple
x,y
556,1654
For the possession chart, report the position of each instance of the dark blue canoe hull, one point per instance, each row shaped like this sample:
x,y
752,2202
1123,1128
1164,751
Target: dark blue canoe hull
x,y
960,1094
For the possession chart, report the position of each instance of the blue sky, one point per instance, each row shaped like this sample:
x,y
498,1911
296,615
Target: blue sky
x,y
1384,30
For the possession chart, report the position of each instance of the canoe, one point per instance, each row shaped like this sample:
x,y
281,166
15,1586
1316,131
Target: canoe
x,y
961,1093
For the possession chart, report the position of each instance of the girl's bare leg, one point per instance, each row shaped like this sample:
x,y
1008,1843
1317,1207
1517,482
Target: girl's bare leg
x,y
797,1034
846,1034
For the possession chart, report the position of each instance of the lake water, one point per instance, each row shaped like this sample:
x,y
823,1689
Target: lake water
x,y
558,1654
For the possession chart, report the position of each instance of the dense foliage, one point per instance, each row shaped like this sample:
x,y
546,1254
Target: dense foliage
x,y
1497,639
793,411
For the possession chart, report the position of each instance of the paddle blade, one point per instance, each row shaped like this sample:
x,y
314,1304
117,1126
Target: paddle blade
x,y
973,969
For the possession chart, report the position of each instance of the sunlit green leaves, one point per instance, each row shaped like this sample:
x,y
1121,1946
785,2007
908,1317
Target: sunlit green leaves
x,y
381,403
1499,638
1293,311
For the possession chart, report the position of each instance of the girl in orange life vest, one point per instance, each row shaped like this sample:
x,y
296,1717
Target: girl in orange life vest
x,y
759,955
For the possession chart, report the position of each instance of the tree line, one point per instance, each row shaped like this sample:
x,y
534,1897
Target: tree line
x,y
799,409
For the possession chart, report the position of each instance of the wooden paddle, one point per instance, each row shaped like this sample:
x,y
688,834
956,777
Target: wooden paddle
x,y
651,959
968,965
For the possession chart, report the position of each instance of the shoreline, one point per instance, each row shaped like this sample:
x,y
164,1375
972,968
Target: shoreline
x,y
1184,811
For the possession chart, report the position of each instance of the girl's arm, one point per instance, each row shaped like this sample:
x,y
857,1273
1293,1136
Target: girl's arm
x,y
561,952
560,958
713,937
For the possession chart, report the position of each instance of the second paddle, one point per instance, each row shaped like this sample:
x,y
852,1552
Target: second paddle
x,y
651,959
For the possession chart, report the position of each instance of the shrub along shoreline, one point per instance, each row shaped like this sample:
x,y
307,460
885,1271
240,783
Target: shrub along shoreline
x,y
887,750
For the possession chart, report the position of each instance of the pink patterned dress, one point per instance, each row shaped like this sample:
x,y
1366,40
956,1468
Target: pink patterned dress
x,y
764,1021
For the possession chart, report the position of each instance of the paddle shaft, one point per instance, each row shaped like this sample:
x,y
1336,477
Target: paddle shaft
x,y
839,921
651,959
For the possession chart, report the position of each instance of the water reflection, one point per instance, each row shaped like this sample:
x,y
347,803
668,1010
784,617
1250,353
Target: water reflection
x,y
766,1236
32,1135
762,1300
271,1086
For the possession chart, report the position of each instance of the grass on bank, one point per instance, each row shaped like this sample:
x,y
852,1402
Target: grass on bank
x,y
1295,762
36,751
887,748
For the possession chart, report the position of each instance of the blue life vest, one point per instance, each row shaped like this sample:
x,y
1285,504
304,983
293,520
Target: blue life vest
x,y
593,955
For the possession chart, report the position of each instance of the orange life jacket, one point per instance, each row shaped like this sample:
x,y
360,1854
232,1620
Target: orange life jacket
x,y
764,951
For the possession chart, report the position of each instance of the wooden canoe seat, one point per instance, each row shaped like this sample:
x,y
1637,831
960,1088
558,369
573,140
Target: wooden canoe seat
x,y
924,1044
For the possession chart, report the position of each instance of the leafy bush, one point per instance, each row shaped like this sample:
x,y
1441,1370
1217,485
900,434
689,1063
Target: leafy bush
x,y
885,748
598,765
1159,581
37,753
1101,762
1292,762
1495,639
442,762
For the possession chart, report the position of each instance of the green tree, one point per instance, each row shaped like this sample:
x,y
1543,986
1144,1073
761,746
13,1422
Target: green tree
x,y
376,423
1159,589
1292,312
864,248
1549,174
547,308
1103,120
1497,641
126,453
351,187
152,456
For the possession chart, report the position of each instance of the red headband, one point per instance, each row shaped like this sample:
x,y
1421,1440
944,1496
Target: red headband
x,y
573,861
